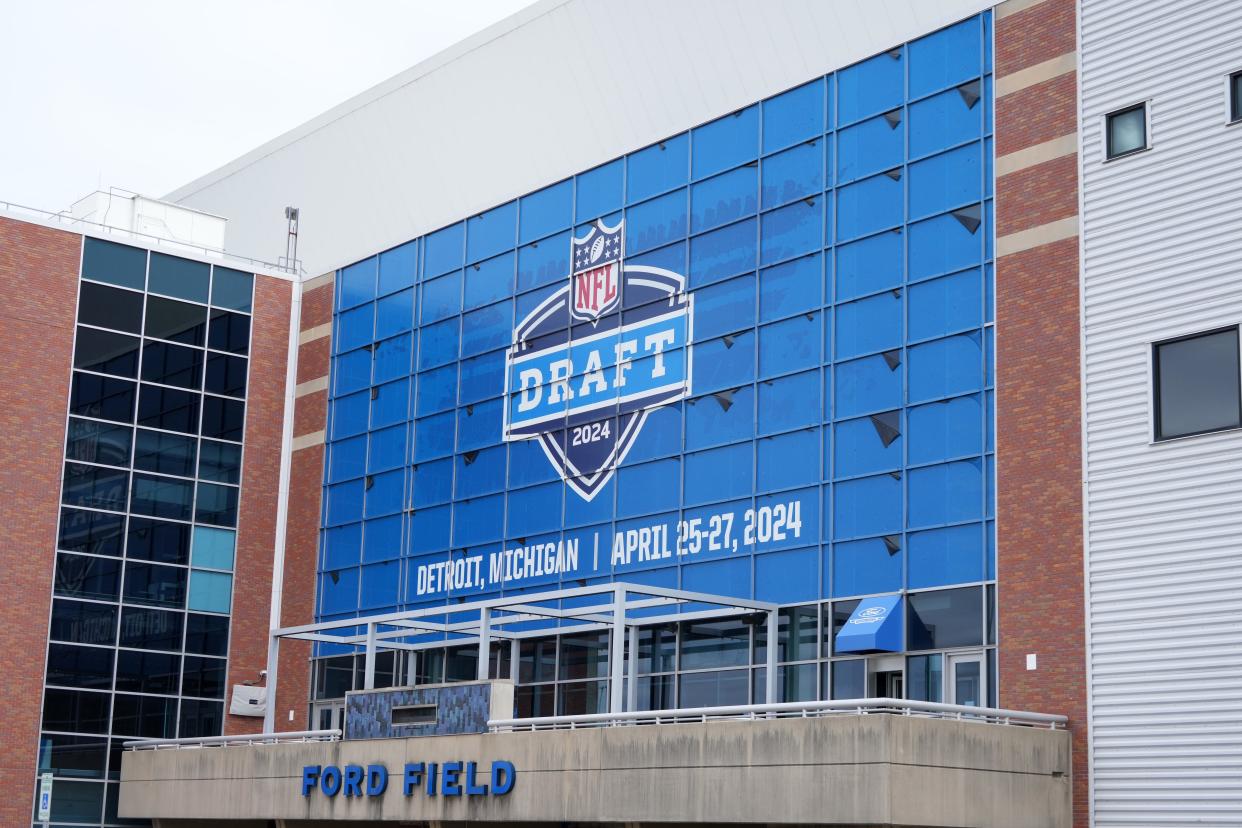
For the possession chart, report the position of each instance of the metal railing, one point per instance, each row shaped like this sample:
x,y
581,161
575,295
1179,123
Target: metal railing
x,y
784,710
233,741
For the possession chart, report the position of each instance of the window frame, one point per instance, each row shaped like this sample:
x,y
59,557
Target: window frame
x,y
1153,383
1106,120
1233,98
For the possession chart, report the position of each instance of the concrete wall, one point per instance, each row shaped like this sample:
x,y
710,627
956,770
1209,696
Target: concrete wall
x,y
848,770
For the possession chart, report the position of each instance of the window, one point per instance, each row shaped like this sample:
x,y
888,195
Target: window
x,y
1235,97
1196,384
1126,131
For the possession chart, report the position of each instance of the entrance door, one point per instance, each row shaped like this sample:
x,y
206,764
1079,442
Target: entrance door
x,y
328,716
967,680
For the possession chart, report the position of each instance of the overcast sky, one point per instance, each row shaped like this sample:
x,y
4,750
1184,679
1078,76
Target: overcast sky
x,y
148,95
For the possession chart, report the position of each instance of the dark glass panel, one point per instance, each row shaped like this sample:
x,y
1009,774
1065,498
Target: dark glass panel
x,y
216,505
95,487
231,288
201,718
945,618
72,756
924,677
170,364
1197,385
106,352
147,672
162,586
177,321
219,462
86,668
583,697
119,264
165,453
205,677
207,634
834,622
151,629
849,679
461,663
584,656
657,649
75,711
656,693
226,375
168,408
537,661
97,532
108,307
223,418
182,278
714,644
1127,131
164,497
85,577
154,540
714,689
82,622
797,633
146,717
334,677
102,397
1235,96
94,442
229,331
535,700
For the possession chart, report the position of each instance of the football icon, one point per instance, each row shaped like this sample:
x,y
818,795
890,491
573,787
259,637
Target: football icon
x,y
597,249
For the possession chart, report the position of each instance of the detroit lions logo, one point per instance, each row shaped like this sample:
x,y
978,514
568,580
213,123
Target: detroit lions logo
x,y
593,359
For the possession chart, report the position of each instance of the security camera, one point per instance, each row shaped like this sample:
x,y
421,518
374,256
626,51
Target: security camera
x,y
263,674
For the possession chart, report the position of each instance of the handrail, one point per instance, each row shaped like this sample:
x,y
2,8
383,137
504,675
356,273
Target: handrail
x,y
809,709
242,739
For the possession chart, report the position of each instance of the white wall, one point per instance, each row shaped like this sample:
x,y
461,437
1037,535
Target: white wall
x,y
560,87
1162,256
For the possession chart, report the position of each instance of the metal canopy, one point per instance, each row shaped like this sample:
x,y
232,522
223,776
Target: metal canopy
x,y
620,607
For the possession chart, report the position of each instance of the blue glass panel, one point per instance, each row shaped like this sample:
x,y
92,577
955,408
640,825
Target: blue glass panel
x,y
546,211
392,358
870,205
480,472
213,548
528,464
381,584
944,305
865,567
390,404
655,222
791,345
579,512
869,325
438,344
657,168
792,230
793,116
487,328
795,173
867,385
942,245
946,181
867,506
353,371
433,483
949,56
387,449
437,390
648,487
358,283
724,198
727,362
347,459
660,437
946,556
429,529
787,460
543,262
948,493
355,328
724,308
479,425
725,142
433,436
942,121
489,233
722,253
990,419
945,367
394,314
479,520
940,430
790,287
398,268
481,377
859,446
730,576
787,577
720,418
789,402
385,494
869,265
342,546
599,190
338,591
210,591
441,297
875,85
443,249
536,509
345,502
489,280
349,415
718,474
874,146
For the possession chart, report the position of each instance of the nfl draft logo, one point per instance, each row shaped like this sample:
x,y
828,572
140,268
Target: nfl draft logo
x,y
593,359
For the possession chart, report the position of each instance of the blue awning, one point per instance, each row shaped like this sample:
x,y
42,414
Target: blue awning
x,y
873,627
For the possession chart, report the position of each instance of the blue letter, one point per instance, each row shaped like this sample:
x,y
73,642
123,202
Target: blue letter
x,y
503,777
413,777
330,780
310,774
451,786
471,788
431,779
377,780
353,780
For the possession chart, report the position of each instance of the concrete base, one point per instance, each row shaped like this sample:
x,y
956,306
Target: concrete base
x,y
868,770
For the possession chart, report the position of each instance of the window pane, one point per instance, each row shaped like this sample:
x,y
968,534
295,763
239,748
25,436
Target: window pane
x,y
183,278
95,487
162,497
108,307
583,697
1197,384
172,365
102,397
147,672
83,623
216,505
151,629
178,321
201,718
164,453
207,634
75,711
924,680
1127,131
223,418
219,462
146,717
157,585
213,548
92,442
88,668
226,375
714,689
657,649
106,261
168,408
945,618
714,644
72,756
155,540
537,661
205,677
535,701
210,591
106,352
231,288
655,693
849,679
86,577
229,332
94,532
584,656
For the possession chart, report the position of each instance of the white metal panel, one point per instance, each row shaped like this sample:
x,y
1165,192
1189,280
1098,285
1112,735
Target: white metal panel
x,y
1162,256
559,87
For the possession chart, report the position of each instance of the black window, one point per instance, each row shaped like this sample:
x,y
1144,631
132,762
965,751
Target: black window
x,y
81,622
231,288
177,321
203,677
201,718
170,364
151,629
80,757
223,418
102,397
849,679
165,453
106,352
94,442
163,497
86,668
217,505
141,672
158,541
1127,130
1235,96
226,375
97,532
714,644
147,717
229,332
83,576
109,307
183,278
106,261
208,634
220,462
834,622
1196,381
168,408
77,711
162,586
945,618
95,487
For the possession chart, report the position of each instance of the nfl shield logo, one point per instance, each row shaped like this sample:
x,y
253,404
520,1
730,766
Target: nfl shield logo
x,y
596,278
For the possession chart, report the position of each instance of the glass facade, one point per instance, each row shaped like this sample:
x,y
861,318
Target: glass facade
x,y
831,436
138,638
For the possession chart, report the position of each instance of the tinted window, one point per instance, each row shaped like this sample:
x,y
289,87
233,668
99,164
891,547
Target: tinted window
x,y
158,585
178,321
220,462
201,718
1197,385
151,629
102,397
164,453
107,352
223,418
208,634
95,487
147,672
231,288
95,532
849,679
172,364
162,497
168,408
217,505
108,307
94,442
714,644
226,375
155,540
83,623
203,677
73,756
945,618
86,577
148,717
1235,96
182,278
106,261
1127,131
75,711
229,332
87,668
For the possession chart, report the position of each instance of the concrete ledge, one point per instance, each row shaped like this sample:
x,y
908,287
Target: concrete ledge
x,y
1053,231
303,441
873,770
319,281
1037,154
1040,72
311,386
317,332
1014,6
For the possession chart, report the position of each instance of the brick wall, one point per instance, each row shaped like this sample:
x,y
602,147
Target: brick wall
x,y
38,300
1038,418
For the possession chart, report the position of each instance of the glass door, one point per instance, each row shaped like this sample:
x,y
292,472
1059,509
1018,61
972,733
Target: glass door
x,y
966,679
328,716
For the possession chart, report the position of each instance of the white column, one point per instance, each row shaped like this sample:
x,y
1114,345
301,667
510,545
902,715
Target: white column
x,y
770,677
631,695
485,642
368,664
615,649
515,652
273,659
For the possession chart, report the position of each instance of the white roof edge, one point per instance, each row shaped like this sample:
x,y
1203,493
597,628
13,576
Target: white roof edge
x,y
407,76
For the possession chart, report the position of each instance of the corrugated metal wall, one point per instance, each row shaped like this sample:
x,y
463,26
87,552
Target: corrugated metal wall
x,y
1162,256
